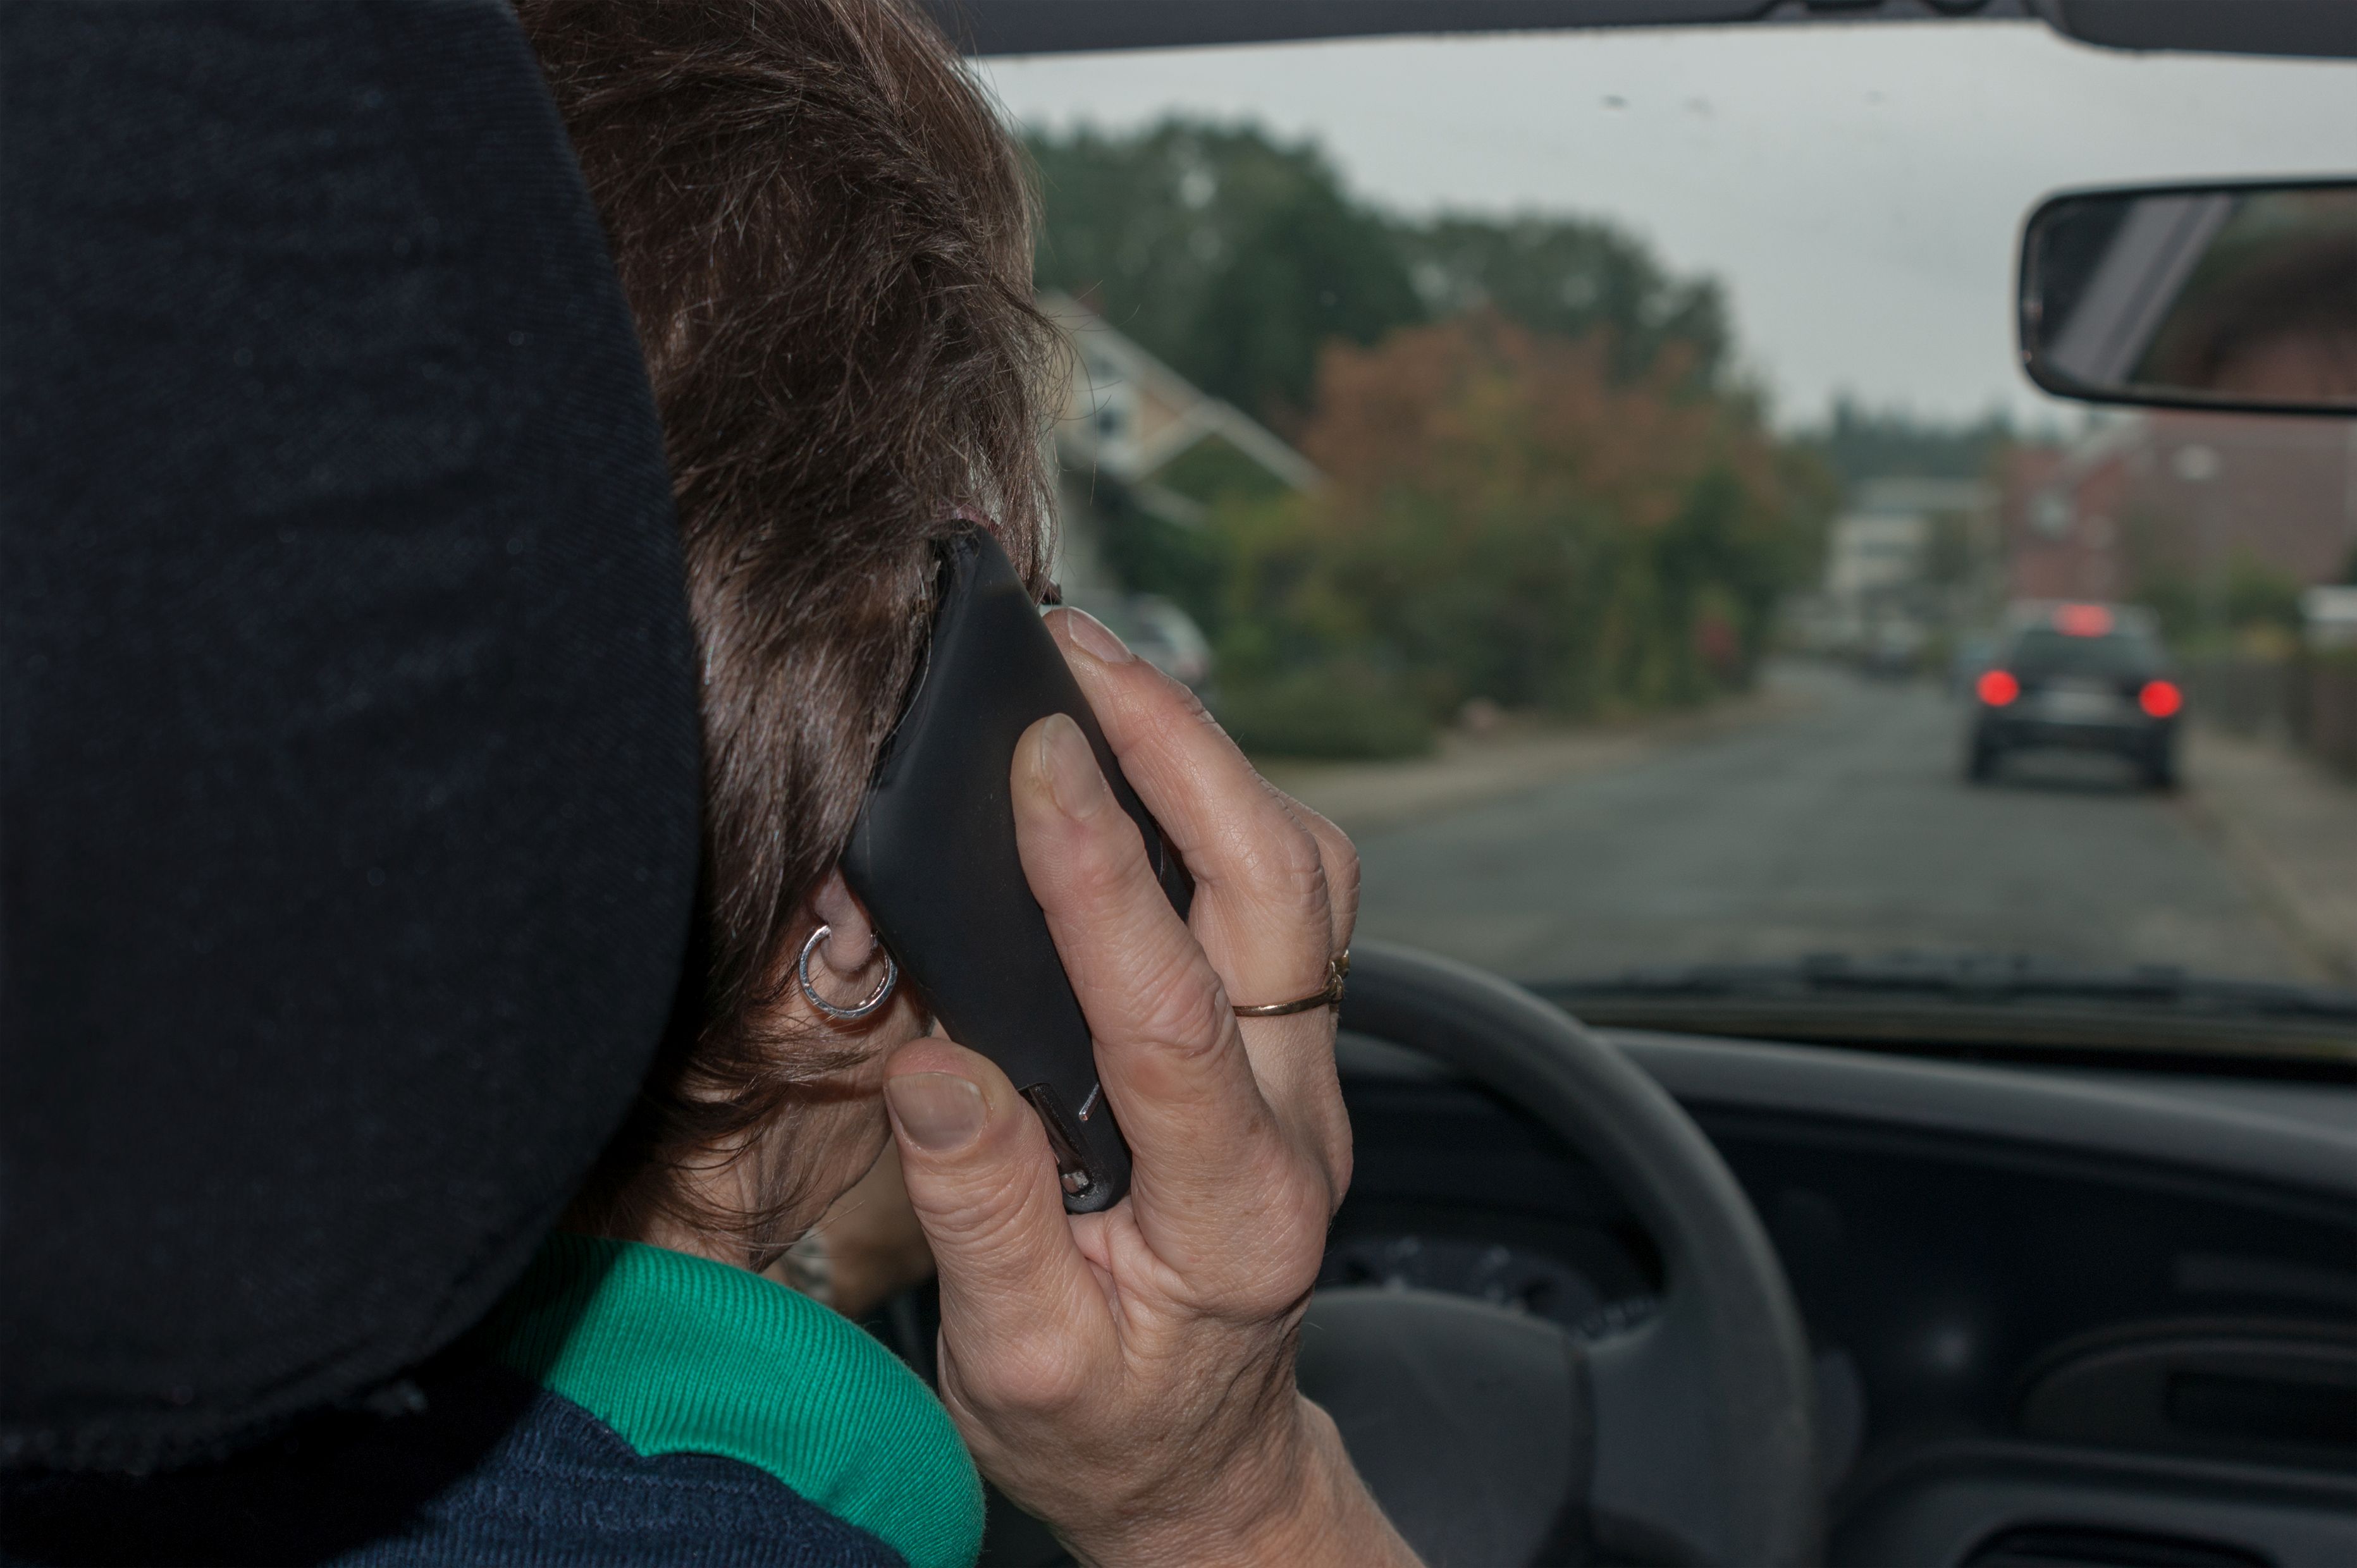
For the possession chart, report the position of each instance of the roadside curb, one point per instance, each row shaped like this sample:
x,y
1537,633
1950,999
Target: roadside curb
x,y
2257,803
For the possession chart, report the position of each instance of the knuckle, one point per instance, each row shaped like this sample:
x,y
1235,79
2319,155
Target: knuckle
x,y
1183,1008
1192,708
1278,1285
1342,866
1340,1165
975,1213
1178,708
1289,1246
1033,1373
1110,856
1335,1170
1292,848
1280,863
1338,865
1309,1210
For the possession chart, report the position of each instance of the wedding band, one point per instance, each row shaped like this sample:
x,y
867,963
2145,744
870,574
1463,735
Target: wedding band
x,y
1337,968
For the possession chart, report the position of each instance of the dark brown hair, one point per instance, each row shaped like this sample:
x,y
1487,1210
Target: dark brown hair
x,y
824,234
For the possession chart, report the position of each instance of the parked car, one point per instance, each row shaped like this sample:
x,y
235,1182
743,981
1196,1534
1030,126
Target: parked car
x,y
2084,677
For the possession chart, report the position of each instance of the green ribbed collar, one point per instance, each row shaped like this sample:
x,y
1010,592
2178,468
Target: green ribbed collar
x,y
682,1354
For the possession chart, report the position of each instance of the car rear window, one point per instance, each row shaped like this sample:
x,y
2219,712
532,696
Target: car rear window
x,y
2044,651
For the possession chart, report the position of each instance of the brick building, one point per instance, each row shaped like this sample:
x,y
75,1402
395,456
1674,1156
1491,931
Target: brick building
x,y
2181,496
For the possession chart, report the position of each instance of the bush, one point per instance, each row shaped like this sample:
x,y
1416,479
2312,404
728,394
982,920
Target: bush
x,y
1331,711
1501,519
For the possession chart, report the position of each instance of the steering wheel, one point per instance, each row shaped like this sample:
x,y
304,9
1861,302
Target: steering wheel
x,y
1493,1438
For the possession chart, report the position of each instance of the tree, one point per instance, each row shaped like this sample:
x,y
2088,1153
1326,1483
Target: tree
x,y
1506,517
1859,444
1229,256
1317,271
1571,277
1235,258
1543,488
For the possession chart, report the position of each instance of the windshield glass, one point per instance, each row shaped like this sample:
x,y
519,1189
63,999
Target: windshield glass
x,y
1595,469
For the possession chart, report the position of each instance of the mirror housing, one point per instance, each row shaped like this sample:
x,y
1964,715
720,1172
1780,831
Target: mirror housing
x,y
2238,296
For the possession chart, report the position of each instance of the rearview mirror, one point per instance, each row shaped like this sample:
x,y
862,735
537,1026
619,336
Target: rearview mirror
x,y
2221,297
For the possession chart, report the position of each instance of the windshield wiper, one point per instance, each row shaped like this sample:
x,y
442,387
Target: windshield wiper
x,y
1982,1005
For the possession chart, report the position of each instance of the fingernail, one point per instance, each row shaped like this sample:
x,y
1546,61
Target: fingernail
x,y
938,1111
1096,637
1071,767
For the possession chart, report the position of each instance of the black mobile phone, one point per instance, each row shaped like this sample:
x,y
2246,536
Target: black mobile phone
x,y
932,857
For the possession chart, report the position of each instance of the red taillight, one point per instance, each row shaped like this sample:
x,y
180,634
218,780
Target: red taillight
x,y
2082,620
2160,699
1997,687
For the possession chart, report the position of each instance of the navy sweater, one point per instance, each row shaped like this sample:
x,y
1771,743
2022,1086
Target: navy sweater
x,y
625,1406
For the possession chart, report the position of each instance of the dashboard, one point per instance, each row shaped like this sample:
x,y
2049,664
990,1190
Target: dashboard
x,y
2057,1317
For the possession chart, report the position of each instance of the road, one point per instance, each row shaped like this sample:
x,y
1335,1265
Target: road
x,y
1844,825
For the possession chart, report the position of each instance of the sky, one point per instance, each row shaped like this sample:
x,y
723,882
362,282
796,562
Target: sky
x,y
1859,189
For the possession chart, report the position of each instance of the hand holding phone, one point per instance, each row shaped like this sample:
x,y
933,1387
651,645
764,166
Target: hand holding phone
x,y
934,858
1128,1376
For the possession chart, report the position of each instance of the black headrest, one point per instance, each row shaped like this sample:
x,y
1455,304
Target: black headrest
x,y
347,744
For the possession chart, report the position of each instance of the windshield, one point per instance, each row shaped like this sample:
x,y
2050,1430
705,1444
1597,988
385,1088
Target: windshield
x,y
1595,469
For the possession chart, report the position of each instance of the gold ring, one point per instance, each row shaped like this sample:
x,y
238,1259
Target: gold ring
x,y
1337,968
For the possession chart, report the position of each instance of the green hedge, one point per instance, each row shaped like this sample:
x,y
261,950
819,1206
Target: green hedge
x,y
1325,713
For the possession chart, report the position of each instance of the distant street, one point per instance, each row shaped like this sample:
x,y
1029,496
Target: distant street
x,y
1843,826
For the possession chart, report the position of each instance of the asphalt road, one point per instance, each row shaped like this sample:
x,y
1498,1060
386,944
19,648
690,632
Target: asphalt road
x,y
1843,826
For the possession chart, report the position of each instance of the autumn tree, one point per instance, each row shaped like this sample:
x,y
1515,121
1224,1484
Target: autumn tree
x,y
1506,517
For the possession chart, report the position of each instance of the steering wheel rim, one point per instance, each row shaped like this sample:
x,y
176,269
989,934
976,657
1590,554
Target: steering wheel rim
x,y
1726,1358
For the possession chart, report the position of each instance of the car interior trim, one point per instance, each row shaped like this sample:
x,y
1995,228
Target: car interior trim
x,y
2309,27
1057,26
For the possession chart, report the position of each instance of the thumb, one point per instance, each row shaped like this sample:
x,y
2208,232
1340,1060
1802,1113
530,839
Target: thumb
x,y
982,1183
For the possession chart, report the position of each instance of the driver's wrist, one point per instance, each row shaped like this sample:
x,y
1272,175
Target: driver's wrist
x,y
1334,1520
1297,1503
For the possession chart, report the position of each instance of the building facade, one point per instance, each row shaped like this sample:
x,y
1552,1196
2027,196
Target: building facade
x,y
2180,503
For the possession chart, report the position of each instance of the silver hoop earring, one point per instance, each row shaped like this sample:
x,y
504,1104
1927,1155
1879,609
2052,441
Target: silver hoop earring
x,y
883,987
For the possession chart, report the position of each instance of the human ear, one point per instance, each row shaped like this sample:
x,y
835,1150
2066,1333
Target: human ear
x,y
843,970
850,946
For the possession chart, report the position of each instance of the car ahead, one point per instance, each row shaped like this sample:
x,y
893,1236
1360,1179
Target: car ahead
x,y
2081,677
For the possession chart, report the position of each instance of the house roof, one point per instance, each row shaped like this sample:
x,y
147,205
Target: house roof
x,y
1128,416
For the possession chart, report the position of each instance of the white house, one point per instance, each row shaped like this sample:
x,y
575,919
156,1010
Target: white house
x,y
1138,440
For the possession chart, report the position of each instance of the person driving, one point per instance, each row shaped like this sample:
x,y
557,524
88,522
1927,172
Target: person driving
x,y
823,234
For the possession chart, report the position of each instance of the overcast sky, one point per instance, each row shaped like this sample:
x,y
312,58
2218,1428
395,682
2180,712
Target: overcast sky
x,y
1858,187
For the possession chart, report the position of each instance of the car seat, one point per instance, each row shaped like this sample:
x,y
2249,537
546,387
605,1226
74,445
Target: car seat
x,y
348,739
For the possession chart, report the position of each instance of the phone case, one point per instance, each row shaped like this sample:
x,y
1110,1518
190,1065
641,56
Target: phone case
x,y
934,857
